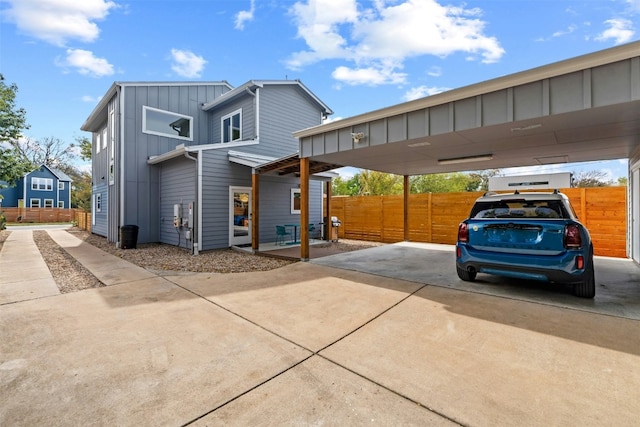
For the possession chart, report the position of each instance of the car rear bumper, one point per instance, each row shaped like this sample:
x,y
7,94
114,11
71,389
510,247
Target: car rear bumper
x,y
553,268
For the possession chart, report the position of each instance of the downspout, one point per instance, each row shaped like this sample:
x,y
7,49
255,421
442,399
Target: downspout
x,y
120,185
257,108
256,105
195,241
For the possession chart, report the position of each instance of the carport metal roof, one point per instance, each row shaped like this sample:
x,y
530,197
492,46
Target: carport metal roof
x,y
582,109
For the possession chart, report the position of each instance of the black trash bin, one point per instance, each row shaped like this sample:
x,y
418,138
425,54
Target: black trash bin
x,y
128,236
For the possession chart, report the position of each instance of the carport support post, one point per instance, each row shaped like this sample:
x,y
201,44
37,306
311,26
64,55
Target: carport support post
x,y
327,212
304,209
255,210
406,208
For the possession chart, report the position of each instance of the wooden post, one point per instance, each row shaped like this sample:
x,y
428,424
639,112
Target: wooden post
x,y
327,217
406,208
304,209
255,212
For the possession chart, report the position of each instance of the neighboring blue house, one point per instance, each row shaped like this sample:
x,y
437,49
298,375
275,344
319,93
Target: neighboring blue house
x,y
176,160
44,187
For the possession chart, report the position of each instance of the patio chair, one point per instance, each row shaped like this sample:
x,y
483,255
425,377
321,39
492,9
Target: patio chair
x,y
314,232
281,235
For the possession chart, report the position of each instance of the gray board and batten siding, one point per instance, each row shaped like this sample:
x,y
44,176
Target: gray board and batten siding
x,y
141,181
177,186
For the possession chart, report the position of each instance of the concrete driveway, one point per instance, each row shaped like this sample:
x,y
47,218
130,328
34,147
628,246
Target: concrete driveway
x,y
308,344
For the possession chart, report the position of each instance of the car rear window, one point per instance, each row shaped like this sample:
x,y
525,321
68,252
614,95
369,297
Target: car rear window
x,y
514,209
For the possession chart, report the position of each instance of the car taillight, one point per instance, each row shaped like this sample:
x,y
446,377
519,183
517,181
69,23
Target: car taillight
x,y
463,232
572,238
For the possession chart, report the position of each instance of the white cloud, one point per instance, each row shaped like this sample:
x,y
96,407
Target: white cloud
x,y
435,72
367,76
91,99
570,29
57,21
422,91
85,63
382,37
244,16
186,63
620,30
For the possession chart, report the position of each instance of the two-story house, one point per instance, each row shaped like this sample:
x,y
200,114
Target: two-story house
x,y
44,187
176,160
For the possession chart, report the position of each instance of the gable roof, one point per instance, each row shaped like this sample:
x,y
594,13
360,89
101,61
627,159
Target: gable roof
x,y
56,172
251,85
99,114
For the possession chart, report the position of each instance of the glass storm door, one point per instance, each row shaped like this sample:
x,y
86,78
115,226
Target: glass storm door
x,y
239,216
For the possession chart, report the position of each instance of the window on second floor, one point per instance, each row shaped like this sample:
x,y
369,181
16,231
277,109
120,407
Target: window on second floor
x,y
232,127
166,123
60,185
44,184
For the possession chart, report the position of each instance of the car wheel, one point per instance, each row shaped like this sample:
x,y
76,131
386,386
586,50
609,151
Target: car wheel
x,y
586,289
467,276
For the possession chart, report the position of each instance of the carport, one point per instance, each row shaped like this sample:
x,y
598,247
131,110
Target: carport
x,y
582,109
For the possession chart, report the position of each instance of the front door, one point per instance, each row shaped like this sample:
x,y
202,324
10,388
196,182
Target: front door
x,y
239,216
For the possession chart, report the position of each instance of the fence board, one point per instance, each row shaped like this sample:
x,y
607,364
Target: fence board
x,y
434,217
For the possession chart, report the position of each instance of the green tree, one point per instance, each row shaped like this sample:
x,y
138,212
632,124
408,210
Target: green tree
x,y
479,180
623,181
345,187
81,190
441,183
85,147
12,123
374,183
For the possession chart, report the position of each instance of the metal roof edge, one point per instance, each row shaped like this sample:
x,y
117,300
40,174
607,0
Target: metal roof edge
x,y
261,83
590,60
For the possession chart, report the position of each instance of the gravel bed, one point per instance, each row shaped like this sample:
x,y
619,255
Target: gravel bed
x,y
160,257
69,274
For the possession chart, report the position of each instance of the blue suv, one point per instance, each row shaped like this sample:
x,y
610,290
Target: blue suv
x,y
528,236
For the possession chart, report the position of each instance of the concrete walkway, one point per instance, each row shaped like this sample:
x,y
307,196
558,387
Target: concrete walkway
x,y
307,344
23,273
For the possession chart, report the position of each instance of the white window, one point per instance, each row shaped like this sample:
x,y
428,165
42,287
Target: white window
x,y
34,203
48,203
166,123
98,202
232,127
98,142
295,200
60,185
103,138
42,184
61,204
112,124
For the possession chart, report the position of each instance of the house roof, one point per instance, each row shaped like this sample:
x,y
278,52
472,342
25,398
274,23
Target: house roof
x,y
57,172
99,114
251,85
61,175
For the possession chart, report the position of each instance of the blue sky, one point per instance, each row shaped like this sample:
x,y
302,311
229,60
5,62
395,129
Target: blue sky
x,y
356,56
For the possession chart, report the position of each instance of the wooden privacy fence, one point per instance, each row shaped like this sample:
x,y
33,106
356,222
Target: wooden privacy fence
x,y
46,215
38,215
434,218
